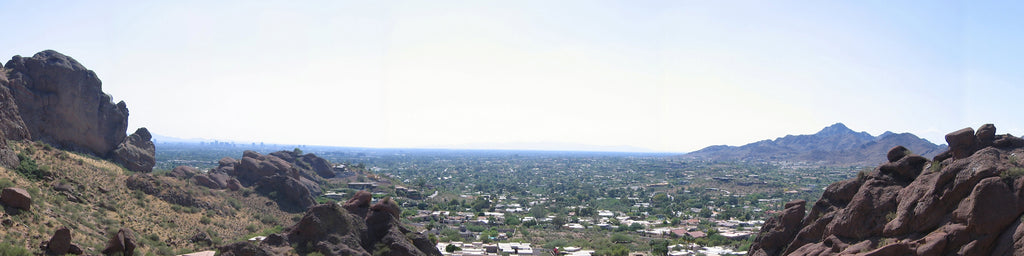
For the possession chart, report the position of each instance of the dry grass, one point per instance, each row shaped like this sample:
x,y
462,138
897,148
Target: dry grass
x,y
107,205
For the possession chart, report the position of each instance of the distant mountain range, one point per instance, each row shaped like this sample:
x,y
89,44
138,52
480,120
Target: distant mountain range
x,y
834,145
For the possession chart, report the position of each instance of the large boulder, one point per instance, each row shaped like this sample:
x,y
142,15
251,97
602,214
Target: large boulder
x,y
289,193
254,166
62,103
184,172
123,242
60,243
204,180
359,204
961,142
17,198
329,222
136,152
334,230
319,165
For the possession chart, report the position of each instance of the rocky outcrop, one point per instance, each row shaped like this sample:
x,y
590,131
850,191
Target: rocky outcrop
x,y
282,176
62,103
136,152
123,242
52,98
777,232
17,198
307,164
330,229
968,200
291,195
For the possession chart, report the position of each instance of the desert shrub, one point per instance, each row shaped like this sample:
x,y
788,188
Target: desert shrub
x,y
268,219
234,203
1012,173
30,169
205,220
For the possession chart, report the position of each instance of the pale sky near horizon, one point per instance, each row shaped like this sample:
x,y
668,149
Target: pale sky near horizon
x,y
671,76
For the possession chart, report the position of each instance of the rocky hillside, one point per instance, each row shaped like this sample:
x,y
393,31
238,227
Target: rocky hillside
x,y
52,98
74,183
94,198
967,200
833,145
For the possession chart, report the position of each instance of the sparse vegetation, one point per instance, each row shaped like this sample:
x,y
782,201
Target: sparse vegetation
x,y
1012,173
104,204
7,249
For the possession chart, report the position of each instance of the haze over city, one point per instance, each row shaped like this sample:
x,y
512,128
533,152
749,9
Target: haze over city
x,y
650,75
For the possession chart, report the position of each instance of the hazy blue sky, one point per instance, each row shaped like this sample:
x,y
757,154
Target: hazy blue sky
x,y
662,75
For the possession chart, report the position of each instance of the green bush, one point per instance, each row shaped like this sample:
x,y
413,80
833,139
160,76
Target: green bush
x,y
29,168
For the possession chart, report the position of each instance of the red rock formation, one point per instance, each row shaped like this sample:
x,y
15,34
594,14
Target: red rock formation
x,y
355,229
52,98
967,201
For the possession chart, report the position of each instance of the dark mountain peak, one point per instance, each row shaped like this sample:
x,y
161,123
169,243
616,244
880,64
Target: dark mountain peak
x,y
835,129
886,134
835,144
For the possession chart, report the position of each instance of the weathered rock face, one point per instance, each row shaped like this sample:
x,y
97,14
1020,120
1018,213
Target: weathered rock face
x,y
52,98
290,194
17,198
11,125
968,201
318,165
63,103
330,229
8,158
777,232
136,152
